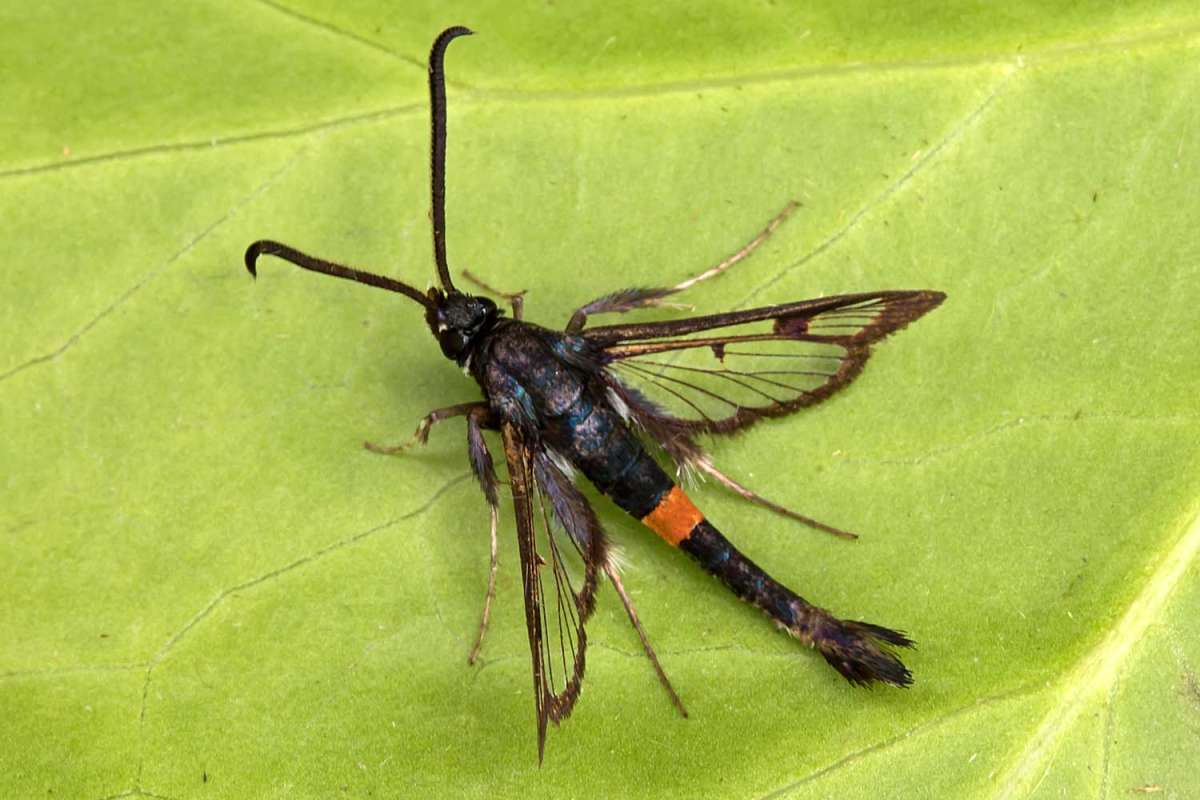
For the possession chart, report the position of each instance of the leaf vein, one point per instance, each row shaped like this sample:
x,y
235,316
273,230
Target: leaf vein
x,y
154,272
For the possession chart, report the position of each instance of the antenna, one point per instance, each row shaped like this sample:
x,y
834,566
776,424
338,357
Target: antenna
x,y
437,108
270,248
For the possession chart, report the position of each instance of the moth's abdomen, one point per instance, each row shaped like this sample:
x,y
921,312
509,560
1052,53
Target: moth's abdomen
x,y
858,650
598,442
592,435
675,517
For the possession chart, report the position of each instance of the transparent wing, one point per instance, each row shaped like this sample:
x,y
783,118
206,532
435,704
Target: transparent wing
x,y
721,373
562,553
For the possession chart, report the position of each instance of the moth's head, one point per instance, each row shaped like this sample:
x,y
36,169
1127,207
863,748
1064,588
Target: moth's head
x,y
457,321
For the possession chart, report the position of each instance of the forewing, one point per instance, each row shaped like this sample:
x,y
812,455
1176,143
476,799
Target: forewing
x,y
558,573
721,373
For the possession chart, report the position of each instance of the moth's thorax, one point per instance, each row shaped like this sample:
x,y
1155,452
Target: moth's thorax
x,y
551,386
529,373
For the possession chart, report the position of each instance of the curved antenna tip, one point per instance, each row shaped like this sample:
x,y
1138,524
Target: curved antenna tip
x,y
252,253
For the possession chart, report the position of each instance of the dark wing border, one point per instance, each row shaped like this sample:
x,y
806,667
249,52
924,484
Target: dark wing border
x,y
857,321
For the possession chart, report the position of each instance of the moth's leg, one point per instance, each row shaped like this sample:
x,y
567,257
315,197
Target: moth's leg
x,y
479,416
517,299
629,299
637,625
729,483
481,465
491,589
746,250
422,434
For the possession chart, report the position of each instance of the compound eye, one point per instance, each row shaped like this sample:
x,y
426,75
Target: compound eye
x,y
453,342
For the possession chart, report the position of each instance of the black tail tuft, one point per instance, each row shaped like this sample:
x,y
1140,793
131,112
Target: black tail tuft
x,y
861,652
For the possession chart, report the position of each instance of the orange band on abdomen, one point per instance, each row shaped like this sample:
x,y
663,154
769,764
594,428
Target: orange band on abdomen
x,y
674,516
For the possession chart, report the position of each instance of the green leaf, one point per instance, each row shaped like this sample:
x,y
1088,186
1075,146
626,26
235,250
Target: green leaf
x,y
208,586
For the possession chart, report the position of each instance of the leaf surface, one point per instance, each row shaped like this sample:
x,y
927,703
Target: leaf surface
x,y
208,587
